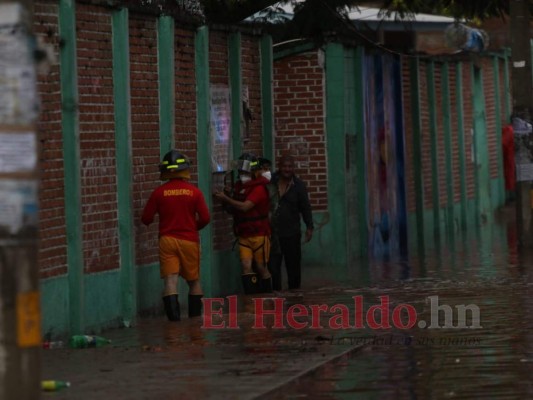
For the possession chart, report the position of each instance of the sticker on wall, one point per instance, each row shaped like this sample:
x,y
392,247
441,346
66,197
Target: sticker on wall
x,y
523,149
28,319
18,205
18,96
247,116
299,146
17,152
220,128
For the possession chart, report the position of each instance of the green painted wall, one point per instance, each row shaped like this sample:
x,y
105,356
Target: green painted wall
x,y
204,152
235,79
68,307
149,288
72,167
55,307
498,196
335,139
165,69
447,123
350,128
267,97
432,107
359,109
420,226
126,237
461,143
482,173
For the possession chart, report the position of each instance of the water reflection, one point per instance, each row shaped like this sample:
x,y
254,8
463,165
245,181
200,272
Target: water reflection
x,y
483,268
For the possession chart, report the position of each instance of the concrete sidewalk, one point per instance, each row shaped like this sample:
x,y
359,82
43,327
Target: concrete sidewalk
x,y
160,359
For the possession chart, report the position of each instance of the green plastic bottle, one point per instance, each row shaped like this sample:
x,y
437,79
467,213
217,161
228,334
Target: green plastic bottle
x,y
52,386
84,341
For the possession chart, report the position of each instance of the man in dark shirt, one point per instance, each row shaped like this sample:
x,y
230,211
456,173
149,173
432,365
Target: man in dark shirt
x,y
293,201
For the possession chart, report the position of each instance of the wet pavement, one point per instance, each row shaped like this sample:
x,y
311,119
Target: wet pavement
x,y
487,354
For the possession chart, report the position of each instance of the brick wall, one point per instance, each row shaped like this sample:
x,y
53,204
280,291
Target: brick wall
x,y
251,80
299,121
468,123
408,137
425,136
441,148
499,32
97,138
52,254
219,75
493,137
252,140
432,43
456,168
185,96
144,129
97,130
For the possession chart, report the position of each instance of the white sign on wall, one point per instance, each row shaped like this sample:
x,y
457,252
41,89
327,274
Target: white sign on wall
x,y
220,128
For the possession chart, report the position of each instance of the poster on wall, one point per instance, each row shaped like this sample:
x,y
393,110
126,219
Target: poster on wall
x,y
18,98
18,205
220,128
523,150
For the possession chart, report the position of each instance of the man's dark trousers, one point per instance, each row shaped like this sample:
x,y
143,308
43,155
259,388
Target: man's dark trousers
x,y
291,251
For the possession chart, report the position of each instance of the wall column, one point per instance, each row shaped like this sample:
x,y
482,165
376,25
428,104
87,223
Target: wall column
x,y
201,47
446,114
71,154
267,105
165,69
121,88
335,138
432,106
461,142
360,148
414,79
235,78
483,202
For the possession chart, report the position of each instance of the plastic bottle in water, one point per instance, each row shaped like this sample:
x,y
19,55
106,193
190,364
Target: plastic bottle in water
x,y
84,341
57,344
51,386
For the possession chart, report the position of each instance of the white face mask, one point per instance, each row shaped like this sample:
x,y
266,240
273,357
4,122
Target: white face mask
x,y
267,175
245,178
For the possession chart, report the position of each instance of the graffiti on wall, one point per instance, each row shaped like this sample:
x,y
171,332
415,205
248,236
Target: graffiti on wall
x,y
523,149
382,174
220,128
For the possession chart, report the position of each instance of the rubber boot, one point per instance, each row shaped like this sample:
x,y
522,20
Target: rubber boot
x,y
172,307
250,283
266,285
195,305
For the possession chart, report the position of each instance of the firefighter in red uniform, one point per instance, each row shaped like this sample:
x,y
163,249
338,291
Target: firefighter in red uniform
x,y
182,213
250,205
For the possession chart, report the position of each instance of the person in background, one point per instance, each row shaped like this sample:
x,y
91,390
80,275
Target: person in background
x,y
292,202
509,166
266,167
249,204
182,213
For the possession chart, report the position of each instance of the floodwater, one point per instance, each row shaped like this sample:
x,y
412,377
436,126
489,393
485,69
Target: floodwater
x,y
452,323
488,358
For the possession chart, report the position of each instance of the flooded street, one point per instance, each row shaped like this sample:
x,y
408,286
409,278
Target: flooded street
x,y
454,322
491,361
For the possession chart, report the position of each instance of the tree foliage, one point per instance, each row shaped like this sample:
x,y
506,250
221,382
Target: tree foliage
x,y
231,11
314,19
